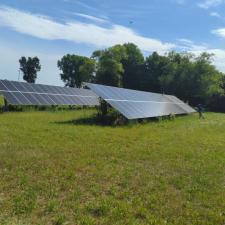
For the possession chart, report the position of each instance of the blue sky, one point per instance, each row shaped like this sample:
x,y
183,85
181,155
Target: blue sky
x,y
51,28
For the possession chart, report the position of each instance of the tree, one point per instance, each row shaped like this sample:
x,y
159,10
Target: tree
x,y
119,66
193,79
76,70
109,67
132,65
155,73
208,80
30,66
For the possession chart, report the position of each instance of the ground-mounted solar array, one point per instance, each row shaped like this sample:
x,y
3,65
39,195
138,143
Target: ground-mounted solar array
x,y
20,93
138,104
131,103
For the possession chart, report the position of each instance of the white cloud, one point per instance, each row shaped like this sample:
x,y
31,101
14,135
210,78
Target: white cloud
x,y
43,27
185,41
190,46
219,32
92,18
206,4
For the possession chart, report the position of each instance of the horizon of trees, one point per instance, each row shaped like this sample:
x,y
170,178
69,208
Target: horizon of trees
x,y
194,79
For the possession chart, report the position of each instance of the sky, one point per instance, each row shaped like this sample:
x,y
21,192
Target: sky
x,y
50,29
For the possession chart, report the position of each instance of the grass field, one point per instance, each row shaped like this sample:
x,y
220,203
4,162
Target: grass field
x,y
56,170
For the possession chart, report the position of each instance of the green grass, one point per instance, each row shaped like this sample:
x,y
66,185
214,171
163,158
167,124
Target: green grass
x,y
1,100
56,170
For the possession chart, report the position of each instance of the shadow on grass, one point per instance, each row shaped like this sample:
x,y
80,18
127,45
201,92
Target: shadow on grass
x,y
89,121
95,121
82,121
110,122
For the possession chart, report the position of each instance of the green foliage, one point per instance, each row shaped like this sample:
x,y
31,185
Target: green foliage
x,y
155,73
132,65
30,66
209,80
119,65
109,116
193,79
55,171
109,68
76,70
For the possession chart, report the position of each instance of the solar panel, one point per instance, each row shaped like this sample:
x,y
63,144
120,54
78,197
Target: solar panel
x,y
20,93
138,104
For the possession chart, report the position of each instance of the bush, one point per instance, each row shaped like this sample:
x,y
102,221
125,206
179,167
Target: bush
x,y
109,116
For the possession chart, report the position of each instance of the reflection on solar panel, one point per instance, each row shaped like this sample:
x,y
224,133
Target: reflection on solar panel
x,y
138,104
20,93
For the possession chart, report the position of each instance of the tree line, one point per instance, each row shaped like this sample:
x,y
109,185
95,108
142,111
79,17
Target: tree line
x,y
194,79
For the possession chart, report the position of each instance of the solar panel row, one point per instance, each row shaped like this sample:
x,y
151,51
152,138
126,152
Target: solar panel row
x,y
20,93
132,104
138,104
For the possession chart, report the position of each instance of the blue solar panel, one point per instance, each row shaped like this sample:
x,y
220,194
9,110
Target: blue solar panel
x,y
20,93
138,104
